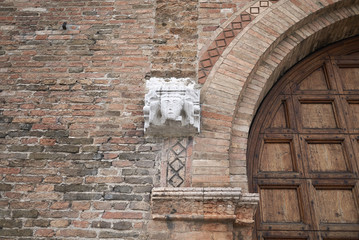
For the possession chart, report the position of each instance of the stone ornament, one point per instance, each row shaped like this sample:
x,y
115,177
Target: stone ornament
x,y
204,204
172,110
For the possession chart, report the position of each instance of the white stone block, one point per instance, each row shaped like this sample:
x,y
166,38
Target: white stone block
x,y
172,107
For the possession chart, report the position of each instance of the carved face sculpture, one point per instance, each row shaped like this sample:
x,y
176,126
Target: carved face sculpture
x,y
171,106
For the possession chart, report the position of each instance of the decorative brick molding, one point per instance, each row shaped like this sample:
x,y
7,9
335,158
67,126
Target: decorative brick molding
x,y
176,162
279,38
201,204
226,36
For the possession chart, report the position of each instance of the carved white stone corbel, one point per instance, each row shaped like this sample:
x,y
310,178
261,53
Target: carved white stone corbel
x,y
171,108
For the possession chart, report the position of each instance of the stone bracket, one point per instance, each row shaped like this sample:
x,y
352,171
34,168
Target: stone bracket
x,y
172,108
212,204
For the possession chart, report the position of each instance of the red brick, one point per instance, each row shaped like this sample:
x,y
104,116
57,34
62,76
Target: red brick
x,y
104,179
53,179
59,37
4,203
217,116
122,215
48,127
29,140
80,224
60,205
81,205
110,155
47,141
122,163
41,37
44,233
90,215
24,188
102,205
210,5
23,179
74,180
76,233
44,188
60,223
13,195
59,214
29,205
209,28
44,195
9,170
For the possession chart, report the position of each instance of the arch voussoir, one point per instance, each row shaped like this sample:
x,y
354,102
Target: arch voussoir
x,y
285,34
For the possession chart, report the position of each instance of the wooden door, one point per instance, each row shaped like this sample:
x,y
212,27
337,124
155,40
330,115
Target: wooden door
x,y
303,155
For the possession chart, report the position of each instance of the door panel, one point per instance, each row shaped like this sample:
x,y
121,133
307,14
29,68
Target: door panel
x,y
319,114
349,77
336,206
305,150
317,80
351,104
280,205
328,156
278,118
277,156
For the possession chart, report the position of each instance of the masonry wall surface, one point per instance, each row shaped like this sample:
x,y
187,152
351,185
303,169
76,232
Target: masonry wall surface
x,y
74,161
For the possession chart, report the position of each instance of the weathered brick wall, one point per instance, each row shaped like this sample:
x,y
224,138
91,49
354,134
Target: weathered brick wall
x,y
175,43
182,30
74,162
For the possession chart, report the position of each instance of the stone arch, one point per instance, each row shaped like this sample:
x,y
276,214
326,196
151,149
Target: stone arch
x,y
248,68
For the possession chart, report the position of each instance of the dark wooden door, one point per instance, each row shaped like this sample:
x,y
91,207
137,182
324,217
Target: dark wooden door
x,y
303,155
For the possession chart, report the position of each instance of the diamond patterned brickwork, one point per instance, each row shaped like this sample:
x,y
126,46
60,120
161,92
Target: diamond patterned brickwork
x,y
217,47
175,162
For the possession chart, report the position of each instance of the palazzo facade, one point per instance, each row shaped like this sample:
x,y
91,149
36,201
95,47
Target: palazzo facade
x,y
179,119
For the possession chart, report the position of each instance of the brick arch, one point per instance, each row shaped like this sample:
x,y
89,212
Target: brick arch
x,y
246,71
226,33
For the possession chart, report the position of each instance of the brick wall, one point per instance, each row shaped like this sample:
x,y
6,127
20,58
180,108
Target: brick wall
x,y
175,40
182,29
74,162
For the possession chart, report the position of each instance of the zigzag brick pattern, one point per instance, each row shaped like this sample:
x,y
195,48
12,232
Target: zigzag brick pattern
x,y
217,47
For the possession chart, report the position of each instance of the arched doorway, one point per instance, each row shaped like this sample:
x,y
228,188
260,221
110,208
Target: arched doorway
x,y
303,151
250,65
